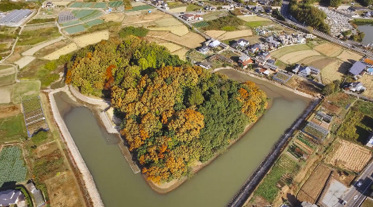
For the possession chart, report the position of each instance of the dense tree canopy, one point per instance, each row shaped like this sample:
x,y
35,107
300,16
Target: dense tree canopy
x,y
173,114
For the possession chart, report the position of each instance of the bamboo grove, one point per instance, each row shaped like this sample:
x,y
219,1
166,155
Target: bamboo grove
x,y
174,115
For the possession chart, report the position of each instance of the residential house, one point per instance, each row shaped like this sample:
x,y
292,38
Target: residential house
x,y
254,48
203,50
234,45
301,40
242,42
357,68
271,61
187,17
262,58
259,9
38,196
273,42
283,39
356,87
210,8
198,17
306,71
310,36
244,61
214,43
227,7
271,66
264,71
370,142
10,197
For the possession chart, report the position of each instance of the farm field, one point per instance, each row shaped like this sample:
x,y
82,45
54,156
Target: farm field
x,y
115,17
181,53
12,165
91,38
139,8
100,5
190,40
215,33
214,15
367,203
12,128
253,18
295,57
51,48
180,30
318,61
32,37
62,51
25,89
178,9
7,79
334,71
74,29
5,94
235,34
315,183
347,56
93,22
24,61
329,49
281,174
367,81
345,154
115,3
289,49
171,46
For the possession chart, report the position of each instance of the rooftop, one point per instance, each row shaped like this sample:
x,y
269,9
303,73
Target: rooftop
x,y
357,68
15,16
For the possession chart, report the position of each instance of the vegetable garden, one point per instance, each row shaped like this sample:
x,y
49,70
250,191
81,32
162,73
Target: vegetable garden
x,y
201,24
34,116
13,168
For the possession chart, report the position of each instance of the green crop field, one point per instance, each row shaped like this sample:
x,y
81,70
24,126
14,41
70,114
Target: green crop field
x,y
13,168
94,22
12,128
87,5
76,5
201,24
75,29
139,8
70,23
115,3
100,5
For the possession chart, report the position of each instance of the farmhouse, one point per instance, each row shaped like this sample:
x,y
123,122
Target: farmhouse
x,y
245,61
296,68
242,42
10,197
38,196
187,17
271,66
263,71
305,71
203,50
356,87
357,68
214,43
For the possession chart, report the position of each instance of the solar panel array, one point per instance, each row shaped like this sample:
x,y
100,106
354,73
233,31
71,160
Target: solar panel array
x,y
66,16
15,16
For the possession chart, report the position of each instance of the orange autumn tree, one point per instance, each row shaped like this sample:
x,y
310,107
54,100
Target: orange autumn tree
x,y
173,115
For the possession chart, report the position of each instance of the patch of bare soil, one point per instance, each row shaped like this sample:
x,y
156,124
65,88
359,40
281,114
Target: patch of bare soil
x,y
9,110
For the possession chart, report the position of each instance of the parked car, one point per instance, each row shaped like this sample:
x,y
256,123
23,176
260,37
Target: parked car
x,y
359,184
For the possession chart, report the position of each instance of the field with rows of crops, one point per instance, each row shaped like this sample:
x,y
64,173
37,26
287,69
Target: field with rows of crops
x,y
13,168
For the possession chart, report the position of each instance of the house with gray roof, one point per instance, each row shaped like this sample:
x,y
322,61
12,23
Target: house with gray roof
x,y
10,197
357,68
38,196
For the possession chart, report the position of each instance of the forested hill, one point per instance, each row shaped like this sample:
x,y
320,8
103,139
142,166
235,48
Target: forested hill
x,y
173,114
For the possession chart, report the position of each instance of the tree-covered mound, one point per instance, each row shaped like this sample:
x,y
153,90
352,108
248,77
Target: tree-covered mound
x,y
173,114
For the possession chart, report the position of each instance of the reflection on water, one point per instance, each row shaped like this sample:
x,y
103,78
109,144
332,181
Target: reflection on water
x,y
213,186
368,31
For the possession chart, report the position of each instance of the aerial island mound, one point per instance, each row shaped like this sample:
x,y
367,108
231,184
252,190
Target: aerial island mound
x,y
174,116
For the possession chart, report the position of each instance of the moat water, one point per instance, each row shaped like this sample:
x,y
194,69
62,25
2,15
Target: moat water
x,y
213,186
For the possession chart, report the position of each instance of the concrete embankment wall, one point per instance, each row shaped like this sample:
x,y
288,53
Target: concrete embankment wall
x,y
77,157
253,181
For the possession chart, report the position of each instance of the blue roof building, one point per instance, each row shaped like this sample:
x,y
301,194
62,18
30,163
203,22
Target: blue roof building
x,y
357,68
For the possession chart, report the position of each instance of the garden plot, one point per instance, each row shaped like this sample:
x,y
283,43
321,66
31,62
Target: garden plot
x,y
76,5
115,17
295,57
13,167
236,34
170,46
214,15
91,38
75,29
181,53
334,71
345,155
367,80
139,8
315,183
63,51
100,5
215,33
25,89
347,56
329,49
190,40
253,18
178,9
24,61
115,3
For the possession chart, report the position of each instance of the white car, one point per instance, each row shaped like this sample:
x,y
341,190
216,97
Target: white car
x,y
355,197
359,184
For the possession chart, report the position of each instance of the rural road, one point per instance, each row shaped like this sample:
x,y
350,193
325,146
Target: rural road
x,y
356,195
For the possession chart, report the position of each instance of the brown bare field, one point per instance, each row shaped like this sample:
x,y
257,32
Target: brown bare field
x,y
318,61
168,22
180,30
62,51
309,60
178,9
190,40
315,183
346,56
45,149
7,71
9,110
63,191
295,57
367,80
253,18
170,46
51,48
181,53
331,107
329,49
349,156
91,38
215,33
334,71
115,17
236,34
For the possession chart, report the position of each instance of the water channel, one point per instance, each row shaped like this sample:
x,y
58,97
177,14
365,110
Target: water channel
x,y
213,186
368,30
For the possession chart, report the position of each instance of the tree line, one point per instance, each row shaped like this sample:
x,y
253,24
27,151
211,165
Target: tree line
x,y
173,114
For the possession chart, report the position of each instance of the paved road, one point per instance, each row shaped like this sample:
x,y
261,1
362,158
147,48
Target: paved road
x,y
356,195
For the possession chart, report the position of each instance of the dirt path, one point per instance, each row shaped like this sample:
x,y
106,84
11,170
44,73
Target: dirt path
x,y
87,177
102,104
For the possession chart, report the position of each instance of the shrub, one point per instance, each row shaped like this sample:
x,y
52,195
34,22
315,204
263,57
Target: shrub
x,y
228,28
39,137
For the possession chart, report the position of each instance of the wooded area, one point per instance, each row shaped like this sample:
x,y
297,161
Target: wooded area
x,y
173,114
